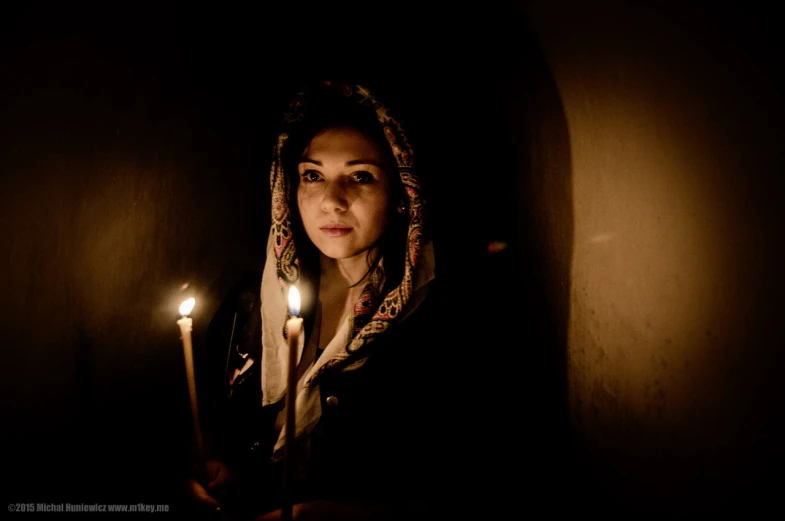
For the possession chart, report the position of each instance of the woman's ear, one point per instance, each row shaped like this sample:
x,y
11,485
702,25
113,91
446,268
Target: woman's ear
x,y
401,206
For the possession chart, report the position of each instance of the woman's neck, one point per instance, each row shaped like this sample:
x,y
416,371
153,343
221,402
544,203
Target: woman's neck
x,y
340,286
337,273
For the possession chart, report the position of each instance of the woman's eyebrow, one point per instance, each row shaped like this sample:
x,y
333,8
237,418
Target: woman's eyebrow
x,y
363,162
353,162
309,160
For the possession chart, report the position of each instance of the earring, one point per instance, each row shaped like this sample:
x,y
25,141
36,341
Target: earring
x,y
401,208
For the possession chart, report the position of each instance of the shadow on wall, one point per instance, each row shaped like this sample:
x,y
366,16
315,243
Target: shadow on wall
x,y
675,120
544,221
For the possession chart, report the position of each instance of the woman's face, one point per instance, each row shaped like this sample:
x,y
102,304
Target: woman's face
x,y
344,192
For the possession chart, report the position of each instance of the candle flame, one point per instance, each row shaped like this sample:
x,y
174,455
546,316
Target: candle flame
x,y
294,301
187,306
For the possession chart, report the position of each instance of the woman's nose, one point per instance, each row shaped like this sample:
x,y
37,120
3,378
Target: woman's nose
x,y
334,198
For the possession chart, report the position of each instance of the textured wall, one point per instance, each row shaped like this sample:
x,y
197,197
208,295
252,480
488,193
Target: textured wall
x,y
674,117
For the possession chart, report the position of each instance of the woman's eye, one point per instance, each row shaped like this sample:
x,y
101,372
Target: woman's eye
x,y
310,176
362,177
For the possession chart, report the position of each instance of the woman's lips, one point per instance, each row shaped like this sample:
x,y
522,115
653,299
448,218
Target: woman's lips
x,y
335,230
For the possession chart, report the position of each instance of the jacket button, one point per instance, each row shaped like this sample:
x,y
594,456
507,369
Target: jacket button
x,y
332,401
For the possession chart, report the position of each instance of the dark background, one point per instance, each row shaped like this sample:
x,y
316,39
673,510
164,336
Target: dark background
x,y
136,148
622,354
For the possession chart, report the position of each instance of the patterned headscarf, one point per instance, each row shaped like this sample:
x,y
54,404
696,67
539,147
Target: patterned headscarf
x,y
373,312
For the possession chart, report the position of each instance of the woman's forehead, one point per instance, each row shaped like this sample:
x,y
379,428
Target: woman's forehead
x,y
346,144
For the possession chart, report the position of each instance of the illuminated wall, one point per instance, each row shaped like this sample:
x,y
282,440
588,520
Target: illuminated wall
x,y
675,342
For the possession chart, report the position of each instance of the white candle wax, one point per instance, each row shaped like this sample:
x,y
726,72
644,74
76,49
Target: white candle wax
x,y
186,326
293,332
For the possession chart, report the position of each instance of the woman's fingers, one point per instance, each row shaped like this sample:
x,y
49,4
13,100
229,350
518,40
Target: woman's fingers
x,y
217,474
199,493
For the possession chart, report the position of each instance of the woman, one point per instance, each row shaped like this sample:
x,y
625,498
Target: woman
x,y
349,230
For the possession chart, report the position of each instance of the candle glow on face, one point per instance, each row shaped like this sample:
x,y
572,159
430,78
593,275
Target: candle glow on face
x,y
294,302
187,306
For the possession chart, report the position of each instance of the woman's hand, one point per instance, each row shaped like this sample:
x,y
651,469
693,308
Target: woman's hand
x,y
217,479
333,510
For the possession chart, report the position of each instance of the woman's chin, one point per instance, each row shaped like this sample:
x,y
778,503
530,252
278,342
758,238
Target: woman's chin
x,y
337,253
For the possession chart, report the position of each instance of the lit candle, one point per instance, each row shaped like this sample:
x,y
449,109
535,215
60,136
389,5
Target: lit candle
x,y
186,325
293,331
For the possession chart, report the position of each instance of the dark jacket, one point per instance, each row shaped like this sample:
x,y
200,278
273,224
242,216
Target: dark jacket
x,y
381,434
